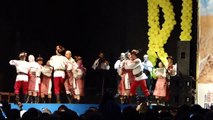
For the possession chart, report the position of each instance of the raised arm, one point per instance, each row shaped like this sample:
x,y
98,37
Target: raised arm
x,y
132,64
13,62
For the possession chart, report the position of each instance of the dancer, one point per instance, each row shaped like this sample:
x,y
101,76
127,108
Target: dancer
x,y
39,60
46,83
22,69
34,80
171,72
172,68
161,83
139,79
118,67
70,80
79,75
124,85
59,63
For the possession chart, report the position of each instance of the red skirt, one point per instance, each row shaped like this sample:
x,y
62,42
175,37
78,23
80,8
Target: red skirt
x,y
46,85
32,82
79,90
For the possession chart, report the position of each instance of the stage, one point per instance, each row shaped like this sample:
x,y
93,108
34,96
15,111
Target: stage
x,y
78,108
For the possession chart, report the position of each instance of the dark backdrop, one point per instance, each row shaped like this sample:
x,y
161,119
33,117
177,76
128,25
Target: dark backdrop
x,y
83,26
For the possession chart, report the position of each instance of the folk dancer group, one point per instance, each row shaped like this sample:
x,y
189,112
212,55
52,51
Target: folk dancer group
x,y
68,73
134,73
35,80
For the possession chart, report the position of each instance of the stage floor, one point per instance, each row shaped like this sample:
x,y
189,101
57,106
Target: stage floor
x,y
79,108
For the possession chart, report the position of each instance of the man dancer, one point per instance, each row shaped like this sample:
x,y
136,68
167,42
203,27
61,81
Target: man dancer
x,y
22,69
171,72
172,68
59,63
70,80
139,78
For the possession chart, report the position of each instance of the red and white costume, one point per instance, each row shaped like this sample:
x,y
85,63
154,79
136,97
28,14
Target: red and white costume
x,y
34,76
124,85
171,72
69,83
172,69
46,82
161,83
79,74
59,63
22,69
139,76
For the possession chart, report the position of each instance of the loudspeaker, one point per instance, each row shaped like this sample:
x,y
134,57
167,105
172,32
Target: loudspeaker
x,y
187,84
186,98
183,57
174,90
182,90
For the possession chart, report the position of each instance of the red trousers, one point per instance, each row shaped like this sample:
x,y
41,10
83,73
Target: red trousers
x,y
143,86
21,84
58,85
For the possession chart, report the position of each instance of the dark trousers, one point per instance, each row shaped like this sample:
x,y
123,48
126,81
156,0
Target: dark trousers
x,y
100,79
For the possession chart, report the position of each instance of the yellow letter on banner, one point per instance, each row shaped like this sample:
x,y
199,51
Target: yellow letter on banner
x,y
158,37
